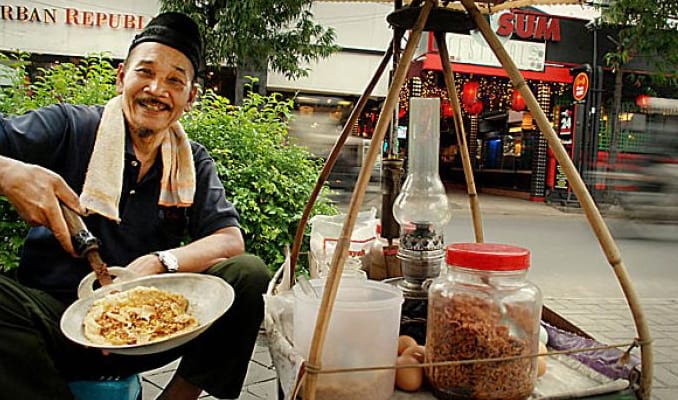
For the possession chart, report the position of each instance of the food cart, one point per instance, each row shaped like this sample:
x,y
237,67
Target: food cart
x,y
580,367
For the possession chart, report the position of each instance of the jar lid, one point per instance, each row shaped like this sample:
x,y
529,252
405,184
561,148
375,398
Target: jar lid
x,y
488,256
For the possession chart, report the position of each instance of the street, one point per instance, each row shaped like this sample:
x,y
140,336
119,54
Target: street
x,y
567,260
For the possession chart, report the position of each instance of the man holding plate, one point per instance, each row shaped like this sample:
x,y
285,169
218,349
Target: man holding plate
x,y
156,203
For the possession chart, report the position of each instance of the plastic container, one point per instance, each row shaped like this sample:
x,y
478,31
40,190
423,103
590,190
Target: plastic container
x,y
482,306
362,332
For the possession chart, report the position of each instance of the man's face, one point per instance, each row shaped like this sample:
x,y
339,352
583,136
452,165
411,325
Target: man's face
x,y
156,84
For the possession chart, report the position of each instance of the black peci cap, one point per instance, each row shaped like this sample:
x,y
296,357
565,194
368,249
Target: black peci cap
x,y
177,31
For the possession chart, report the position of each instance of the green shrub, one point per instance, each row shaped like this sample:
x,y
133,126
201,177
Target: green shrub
x,y
12,232
14,96
91,81
267,179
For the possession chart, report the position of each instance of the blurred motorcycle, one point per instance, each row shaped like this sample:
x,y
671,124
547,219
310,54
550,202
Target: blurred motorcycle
x,y
654,197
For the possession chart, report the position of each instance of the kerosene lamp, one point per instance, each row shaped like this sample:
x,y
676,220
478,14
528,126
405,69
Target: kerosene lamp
x,y
422,210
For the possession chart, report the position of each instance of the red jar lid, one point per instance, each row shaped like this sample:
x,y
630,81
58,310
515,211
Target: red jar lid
x,y
488,256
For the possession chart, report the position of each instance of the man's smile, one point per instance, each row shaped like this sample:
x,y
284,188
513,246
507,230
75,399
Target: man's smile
x,y
152,105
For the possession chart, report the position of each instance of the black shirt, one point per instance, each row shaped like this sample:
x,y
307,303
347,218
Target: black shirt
x,y
61,138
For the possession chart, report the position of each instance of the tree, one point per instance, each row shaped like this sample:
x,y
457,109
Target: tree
x,y
647,32
259,33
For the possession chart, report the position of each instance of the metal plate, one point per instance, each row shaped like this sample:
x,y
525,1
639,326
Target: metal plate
x,y
209,297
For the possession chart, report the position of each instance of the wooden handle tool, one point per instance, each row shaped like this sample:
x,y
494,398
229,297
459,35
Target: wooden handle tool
x,y
86,244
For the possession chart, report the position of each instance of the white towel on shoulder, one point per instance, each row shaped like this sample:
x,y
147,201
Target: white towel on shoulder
x,y
103,182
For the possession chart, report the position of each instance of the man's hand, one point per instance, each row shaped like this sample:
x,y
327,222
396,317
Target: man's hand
x,y
196,256
36,193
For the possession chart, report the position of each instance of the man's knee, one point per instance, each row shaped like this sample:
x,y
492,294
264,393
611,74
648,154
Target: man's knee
x,y
244,272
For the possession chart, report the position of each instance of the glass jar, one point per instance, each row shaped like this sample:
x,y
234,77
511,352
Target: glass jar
x,y
482,306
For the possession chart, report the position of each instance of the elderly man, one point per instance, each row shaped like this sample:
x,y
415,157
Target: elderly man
x,y
154,200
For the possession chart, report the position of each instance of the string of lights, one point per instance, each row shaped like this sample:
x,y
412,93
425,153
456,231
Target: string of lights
x,y
494,92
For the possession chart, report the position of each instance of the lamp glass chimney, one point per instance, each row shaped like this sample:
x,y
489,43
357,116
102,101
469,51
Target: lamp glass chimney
x,y
422,202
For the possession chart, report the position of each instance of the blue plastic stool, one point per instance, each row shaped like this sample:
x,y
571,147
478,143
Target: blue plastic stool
x,y
128,388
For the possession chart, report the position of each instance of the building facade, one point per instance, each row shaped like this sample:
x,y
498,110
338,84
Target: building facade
x,y
73,28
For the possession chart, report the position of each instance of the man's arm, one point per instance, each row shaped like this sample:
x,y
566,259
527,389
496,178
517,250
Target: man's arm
x,y
32,147
36,194
196,256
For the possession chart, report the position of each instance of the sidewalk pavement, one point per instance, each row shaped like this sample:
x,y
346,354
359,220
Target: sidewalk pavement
x,y
608,320
260,382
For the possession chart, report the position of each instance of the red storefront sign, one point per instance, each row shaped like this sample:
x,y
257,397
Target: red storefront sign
x,y
535,27
580,86
71,16
529,26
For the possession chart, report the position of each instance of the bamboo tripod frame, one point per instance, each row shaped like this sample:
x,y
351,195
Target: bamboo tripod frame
x,y
592,213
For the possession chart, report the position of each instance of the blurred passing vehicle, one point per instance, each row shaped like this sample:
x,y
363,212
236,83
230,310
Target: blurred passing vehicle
x,y
644,183
316,124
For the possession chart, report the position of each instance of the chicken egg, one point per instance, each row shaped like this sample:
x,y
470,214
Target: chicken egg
x,y
405,341
541,361
417,351
408,379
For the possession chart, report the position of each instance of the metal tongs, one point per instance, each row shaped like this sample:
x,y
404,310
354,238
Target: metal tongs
x,y
86,245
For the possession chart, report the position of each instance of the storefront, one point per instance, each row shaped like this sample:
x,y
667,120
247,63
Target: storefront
x,y
65,31
70,29
507,150
562,61
324,99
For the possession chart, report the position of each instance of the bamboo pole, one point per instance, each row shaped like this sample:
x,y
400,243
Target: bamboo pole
x,y
333,156
340,252
591,211
461,137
